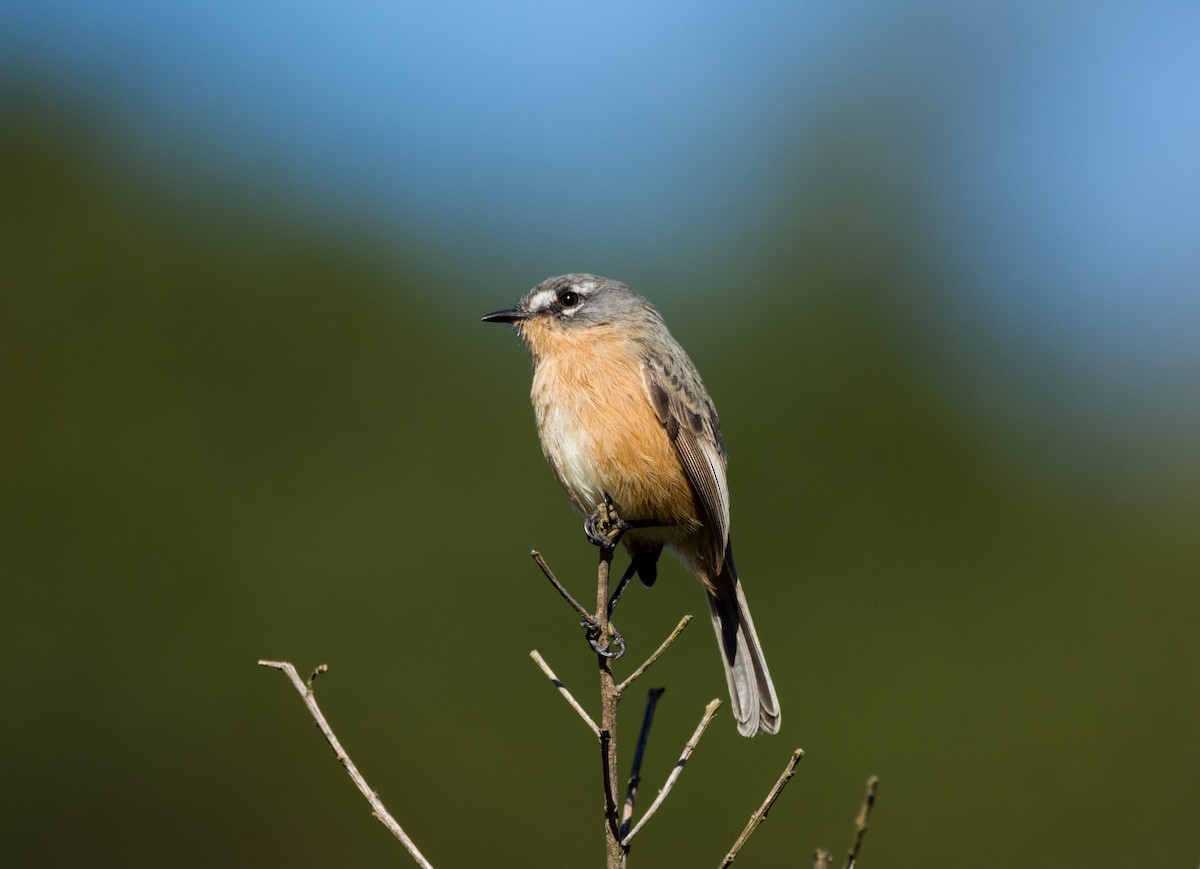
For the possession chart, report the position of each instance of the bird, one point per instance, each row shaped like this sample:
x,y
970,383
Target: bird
x,y
624,420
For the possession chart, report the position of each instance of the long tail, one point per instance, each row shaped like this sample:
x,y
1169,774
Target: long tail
x,y
751,691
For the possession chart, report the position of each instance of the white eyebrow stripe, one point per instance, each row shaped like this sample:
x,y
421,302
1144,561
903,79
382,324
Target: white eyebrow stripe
x,y
541,300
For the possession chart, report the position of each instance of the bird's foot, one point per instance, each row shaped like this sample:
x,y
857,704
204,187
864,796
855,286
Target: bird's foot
x,y
614,648
604,527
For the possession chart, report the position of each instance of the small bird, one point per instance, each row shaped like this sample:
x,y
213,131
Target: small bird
x,y
625,420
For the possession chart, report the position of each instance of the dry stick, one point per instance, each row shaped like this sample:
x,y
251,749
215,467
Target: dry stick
x,y
377,806
860,823
609,699
616,837
761,815
635,775
601,617
541,562
614,853
709,711
633,677
635,772
562,689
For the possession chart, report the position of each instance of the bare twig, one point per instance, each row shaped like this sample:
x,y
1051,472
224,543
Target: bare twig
x,y
860,823
761,814
610,698
635,772
611,820
600,634
562,689
609,645
312,677
576,605
377,806
709,711
636,674
601,619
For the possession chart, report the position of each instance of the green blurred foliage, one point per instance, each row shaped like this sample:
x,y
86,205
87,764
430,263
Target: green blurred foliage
x,y
233,432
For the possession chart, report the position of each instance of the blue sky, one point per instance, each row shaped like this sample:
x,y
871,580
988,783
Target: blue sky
x,y
1062,154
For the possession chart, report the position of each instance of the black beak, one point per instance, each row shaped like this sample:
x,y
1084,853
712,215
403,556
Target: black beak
x,y
512,315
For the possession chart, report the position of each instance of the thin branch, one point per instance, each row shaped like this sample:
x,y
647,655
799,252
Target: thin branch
x,y
562,689
611,819
609,701
635,772
601,619
377,806
861,822
576,605
633,677
601,637
761,815
709,711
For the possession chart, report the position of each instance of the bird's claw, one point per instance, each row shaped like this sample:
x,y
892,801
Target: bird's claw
x,y
615,647
604,527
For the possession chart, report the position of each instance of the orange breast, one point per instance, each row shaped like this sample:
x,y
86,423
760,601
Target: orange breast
x,y
598,429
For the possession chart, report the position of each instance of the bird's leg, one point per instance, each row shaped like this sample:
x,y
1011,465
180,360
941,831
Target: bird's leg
x,y
616,595
605,527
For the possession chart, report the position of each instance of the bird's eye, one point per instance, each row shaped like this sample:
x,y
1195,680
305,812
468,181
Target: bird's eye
x,y
568,299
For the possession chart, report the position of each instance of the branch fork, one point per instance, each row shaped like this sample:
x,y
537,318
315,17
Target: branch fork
x,y
621,830
619,826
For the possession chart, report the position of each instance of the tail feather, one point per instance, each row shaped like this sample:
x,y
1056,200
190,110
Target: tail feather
x,y
751,691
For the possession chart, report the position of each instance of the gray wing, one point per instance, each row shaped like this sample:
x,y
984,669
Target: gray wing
x,y
687,413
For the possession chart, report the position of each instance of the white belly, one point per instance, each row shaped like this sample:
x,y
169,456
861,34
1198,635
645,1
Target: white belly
x,y
568,447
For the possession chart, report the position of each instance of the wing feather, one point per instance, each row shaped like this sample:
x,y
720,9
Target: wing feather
x,y
687,413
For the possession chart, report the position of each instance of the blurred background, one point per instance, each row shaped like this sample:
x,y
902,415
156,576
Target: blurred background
x,y
938,263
